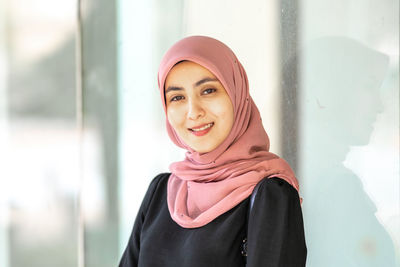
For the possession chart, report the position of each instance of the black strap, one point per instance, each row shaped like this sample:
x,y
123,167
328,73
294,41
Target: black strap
x,y
251,203
253,195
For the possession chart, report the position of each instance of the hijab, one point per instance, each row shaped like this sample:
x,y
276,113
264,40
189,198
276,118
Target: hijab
x,y
205,185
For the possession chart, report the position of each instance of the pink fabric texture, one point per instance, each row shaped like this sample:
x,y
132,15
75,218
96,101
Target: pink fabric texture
x,y
206,185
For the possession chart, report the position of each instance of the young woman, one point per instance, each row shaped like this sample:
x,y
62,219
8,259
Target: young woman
x,y
205,213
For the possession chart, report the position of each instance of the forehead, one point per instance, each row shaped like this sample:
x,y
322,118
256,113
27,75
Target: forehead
x,y
187,71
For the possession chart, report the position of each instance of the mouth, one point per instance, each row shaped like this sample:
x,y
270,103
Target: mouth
x,y
201,129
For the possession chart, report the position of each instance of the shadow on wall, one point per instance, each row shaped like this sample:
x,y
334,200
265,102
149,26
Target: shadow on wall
x,y
341,79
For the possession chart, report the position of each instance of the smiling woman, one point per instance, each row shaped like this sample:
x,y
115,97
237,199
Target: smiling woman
x,y
198,215
201,113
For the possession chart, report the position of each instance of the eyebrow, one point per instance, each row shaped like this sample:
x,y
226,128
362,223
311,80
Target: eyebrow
x,y
196,84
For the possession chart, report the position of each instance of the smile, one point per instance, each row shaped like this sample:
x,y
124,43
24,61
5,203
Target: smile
x,y
202,130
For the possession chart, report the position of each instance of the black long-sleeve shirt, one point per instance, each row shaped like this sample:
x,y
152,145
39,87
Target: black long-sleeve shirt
x,y
274,231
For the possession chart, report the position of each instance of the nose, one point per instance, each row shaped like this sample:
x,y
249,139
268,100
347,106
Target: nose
x,y
195,109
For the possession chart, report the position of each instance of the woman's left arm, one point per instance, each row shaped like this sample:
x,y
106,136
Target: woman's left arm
x,y
275,227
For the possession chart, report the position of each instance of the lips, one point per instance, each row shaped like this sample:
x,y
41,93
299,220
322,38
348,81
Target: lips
x,y
201,129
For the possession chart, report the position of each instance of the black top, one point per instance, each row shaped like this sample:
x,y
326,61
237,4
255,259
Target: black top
x,y
275,232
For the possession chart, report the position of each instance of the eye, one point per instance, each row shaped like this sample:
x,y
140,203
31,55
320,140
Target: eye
x,y
176,98
209,91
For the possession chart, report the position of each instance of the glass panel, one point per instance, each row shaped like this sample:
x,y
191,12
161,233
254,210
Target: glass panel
x,y
38,134
349,159
100,133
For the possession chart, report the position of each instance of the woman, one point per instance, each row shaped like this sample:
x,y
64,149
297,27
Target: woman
x,y
199,214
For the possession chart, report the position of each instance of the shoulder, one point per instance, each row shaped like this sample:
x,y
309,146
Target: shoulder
x,y
157,184
158,180
276,187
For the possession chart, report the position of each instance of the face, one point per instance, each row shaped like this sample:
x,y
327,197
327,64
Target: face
x,y
198,106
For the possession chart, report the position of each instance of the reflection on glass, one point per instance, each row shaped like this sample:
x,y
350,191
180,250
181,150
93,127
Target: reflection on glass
x,y
342,81
349,155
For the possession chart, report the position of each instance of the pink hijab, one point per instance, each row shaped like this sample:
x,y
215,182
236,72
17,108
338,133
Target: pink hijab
x,y
206,185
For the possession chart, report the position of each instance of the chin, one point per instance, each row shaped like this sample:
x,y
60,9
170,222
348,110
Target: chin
x,y
203,150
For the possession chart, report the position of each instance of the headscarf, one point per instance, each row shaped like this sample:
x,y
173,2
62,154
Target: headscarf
x,y
206,185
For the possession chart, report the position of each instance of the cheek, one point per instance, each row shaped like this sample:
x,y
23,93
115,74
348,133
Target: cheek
x,y
175,117
224,109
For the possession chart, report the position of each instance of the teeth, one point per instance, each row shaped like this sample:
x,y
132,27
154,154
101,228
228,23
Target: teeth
x,y
203,128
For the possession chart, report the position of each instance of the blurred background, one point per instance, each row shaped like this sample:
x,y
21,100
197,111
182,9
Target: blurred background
x,y
82,131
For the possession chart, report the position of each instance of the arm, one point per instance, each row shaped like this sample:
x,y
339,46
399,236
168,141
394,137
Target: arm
x,y
275,230
130,256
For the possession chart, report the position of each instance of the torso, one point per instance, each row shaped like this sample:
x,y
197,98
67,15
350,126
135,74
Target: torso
x,y
164,243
